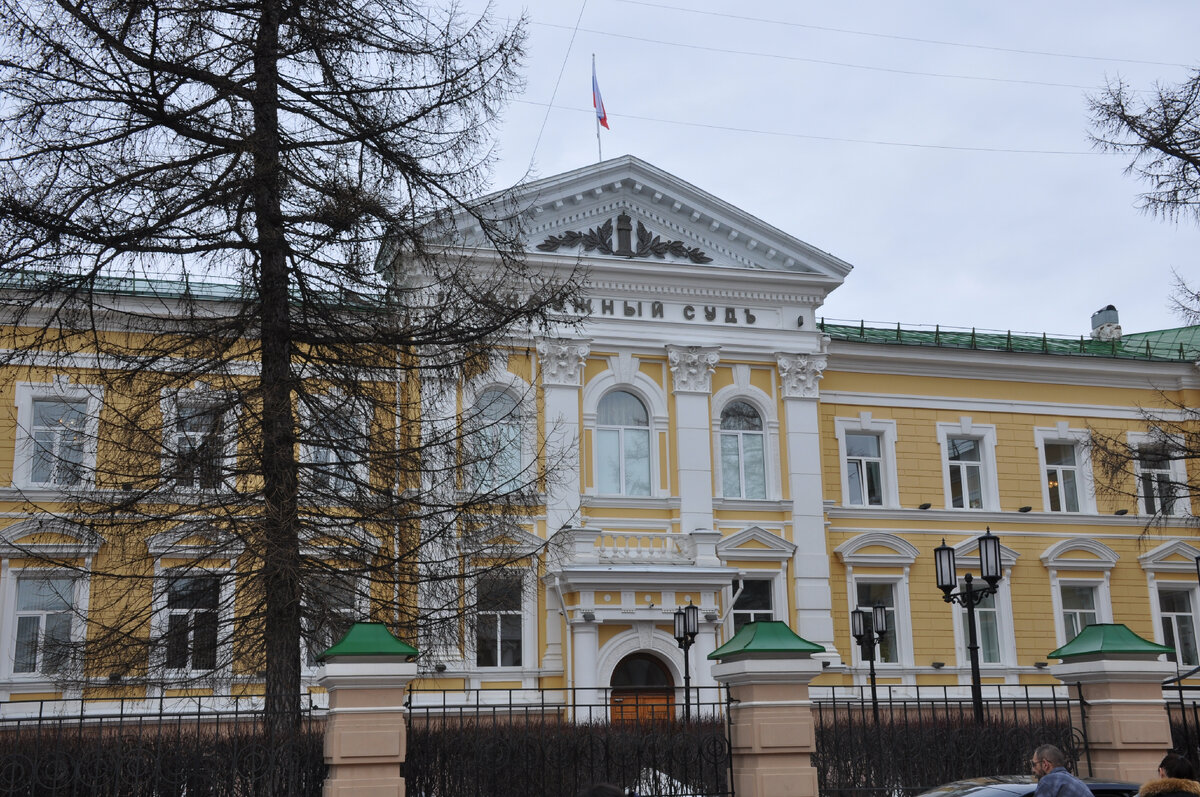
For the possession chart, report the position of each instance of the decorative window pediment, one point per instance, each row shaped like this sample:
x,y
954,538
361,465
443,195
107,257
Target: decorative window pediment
x,y
193,541
966,555
755,544
1079,554
877,548
1170,557
49,538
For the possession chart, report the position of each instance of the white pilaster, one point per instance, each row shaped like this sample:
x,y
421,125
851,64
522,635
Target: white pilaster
x,y
585,644
691,373
799,375
561,362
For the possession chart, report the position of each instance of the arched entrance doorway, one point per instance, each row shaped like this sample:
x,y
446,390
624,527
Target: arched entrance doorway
x,y
642,689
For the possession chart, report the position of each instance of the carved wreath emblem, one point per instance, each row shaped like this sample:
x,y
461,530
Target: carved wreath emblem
x,y
600,239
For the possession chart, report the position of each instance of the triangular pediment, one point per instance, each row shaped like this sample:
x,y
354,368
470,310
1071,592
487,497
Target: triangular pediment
x,y
626,209
1170,557
755,543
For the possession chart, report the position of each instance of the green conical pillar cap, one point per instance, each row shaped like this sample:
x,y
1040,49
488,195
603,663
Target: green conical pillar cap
x,y
369,639
767,636
1104,639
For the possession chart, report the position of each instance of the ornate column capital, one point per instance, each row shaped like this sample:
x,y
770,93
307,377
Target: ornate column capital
x,y
799,374
562,360
692,367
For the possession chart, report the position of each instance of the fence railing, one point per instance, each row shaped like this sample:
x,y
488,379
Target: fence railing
x,y
174,752
927,736
521,742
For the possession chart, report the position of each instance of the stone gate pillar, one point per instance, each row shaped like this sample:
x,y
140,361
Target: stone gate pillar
x,y
768,668
1119,677
366,675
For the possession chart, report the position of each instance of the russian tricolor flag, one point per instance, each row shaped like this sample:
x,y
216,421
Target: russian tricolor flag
x,y
597,100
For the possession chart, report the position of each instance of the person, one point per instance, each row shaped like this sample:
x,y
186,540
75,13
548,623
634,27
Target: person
x,y
1176,778
1053,780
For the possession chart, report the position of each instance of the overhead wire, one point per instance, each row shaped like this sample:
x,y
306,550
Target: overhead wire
x,y
897,37
558,80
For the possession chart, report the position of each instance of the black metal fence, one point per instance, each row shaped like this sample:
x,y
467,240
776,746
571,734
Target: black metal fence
x,y
73,748
927,736
1184,713
531,742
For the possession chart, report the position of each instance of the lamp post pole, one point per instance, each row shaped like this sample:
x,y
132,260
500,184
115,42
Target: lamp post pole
x,y
969,597
868,631
687,625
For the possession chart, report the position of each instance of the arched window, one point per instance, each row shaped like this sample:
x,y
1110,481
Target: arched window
x,y
743,463
496,458
622,445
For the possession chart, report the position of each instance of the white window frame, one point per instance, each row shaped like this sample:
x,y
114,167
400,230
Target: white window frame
x,y
360,610
175,547
775,589
1079,555
1177,558
528,614
885,430
523,418
966,554
854,553
740,436
1182,506
624,374
742,390
1062,434
989,484
1193,594
61,389
199,397
25,540
333,404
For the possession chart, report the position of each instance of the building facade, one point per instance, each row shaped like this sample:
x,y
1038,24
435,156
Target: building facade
x,y
726,447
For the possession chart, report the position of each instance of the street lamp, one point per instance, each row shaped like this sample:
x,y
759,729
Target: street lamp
x,y
868,630
969,597
687,625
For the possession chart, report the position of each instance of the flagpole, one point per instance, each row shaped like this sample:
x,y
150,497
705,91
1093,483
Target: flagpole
x,y
599,151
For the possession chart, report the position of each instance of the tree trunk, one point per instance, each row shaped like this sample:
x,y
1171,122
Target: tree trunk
x,y
280,538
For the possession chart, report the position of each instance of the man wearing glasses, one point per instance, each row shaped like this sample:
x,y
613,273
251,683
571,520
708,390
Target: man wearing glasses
x,y
1049,768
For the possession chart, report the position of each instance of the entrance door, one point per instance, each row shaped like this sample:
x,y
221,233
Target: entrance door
x,y
642,690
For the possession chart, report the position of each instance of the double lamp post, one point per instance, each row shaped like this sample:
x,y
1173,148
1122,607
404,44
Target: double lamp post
x,y
687,625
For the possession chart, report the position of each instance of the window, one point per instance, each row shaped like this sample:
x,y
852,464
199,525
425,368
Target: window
x,y
1078,608
1156,489
743,459
45,607
193,603
198,446
58,438
1178,625
873,593
622,445
754,604
969,465
987,627
498,621
330,608
864,470
966,481
1062,477
497,458
333,453
867,449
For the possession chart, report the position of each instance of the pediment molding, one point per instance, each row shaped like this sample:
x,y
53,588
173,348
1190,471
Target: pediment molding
x,y
877,549
1170,557
1097,555
755,543
49,538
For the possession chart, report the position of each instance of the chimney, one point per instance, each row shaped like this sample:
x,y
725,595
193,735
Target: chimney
x,y
1105,325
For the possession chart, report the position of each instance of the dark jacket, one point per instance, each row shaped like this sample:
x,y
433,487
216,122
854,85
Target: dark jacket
x,y
1170,787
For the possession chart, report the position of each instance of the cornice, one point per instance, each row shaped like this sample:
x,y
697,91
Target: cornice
x,y
975,519
963,404
1061,369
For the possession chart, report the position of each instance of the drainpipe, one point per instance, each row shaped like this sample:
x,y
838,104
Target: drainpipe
x,y
733,600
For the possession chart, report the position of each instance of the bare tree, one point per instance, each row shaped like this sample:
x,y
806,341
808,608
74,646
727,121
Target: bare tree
x,y
1160,132
238,230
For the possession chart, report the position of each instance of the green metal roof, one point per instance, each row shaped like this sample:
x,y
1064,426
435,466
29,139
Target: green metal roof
x,y
1172,345
369,639
767,636
1105,638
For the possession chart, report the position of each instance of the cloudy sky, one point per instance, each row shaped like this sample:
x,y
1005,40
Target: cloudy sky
x,y
939,146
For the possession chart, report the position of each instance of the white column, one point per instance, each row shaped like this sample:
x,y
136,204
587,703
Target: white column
x,y
562,371
691,375
437,592
585,647
799,375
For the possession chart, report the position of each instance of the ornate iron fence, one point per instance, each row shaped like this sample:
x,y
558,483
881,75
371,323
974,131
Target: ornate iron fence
x,y
1183,709
129,749
926,736
529,742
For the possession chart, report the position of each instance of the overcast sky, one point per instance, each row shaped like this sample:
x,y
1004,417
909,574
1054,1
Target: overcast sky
x,y
939,147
